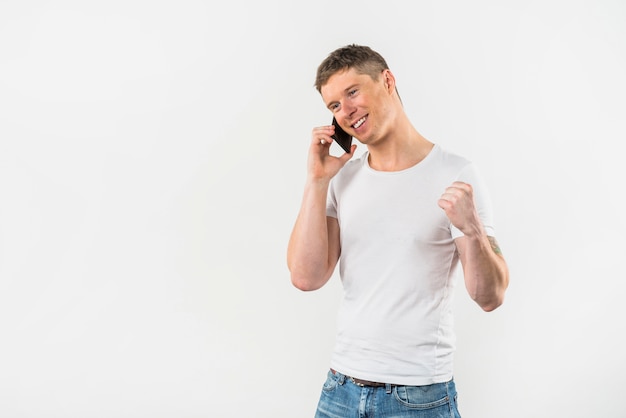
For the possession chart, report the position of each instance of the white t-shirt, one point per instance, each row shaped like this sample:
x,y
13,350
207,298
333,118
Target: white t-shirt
x,y
397,265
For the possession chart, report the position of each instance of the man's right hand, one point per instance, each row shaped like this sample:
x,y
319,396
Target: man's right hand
x,y
322,165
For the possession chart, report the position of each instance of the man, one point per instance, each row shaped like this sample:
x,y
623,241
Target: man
x,y
400,217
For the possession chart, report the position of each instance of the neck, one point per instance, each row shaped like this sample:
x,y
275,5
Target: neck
x,y
404,149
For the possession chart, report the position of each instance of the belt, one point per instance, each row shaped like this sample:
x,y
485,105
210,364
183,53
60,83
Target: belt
x,y
363,383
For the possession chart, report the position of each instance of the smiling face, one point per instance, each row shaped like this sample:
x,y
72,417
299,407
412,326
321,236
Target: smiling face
x,y
363,106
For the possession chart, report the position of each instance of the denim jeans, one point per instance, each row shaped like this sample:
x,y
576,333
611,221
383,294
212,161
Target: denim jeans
x,y
341,398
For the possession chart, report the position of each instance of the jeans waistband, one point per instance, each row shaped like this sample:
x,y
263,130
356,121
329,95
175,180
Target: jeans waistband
x,y
363,383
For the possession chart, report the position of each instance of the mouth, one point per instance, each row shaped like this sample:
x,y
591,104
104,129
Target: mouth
x,y
359,122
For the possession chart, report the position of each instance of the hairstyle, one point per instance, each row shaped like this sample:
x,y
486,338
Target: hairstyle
x,y
362,58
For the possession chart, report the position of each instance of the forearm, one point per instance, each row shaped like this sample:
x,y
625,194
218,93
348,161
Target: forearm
x,y
308,250
485,270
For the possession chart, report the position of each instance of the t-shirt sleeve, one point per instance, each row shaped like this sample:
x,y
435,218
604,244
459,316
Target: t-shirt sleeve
x,y
331,202
469,174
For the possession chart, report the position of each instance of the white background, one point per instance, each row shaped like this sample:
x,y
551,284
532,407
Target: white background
x,y
152,159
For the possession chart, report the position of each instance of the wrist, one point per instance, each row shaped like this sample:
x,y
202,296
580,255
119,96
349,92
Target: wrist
x,y
317,182
474,231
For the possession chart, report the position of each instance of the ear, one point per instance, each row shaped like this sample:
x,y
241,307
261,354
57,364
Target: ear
x,y
390,80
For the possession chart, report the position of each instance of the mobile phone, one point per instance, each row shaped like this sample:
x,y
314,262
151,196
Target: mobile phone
x,y
342,138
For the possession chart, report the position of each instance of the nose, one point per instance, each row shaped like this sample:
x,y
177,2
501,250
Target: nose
x,y
348,108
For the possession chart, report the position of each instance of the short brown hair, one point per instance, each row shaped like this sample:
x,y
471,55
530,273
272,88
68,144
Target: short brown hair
x,y
362,58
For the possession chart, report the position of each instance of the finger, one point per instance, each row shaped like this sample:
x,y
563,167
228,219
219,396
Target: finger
x,y
444,204
323,130
326,141
457,190
321,139
451,193
322,134
449,200
461,184
461,187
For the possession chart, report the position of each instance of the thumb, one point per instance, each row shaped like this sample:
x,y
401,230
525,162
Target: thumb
x,y
346,156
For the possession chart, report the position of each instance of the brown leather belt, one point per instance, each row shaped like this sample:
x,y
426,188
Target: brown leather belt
x,y
363,383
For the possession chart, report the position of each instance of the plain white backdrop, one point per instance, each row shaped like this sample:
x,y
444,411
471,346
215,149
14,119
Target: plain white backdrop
x,y
152,159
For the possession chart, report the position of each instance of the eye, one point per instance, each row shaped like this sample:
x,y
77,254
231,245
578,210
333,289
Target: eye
x,y
333,106
352,92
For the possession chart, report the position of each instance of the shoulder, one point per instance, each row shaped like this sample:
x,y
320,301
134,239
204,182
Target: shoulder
x,y
449,158
449,164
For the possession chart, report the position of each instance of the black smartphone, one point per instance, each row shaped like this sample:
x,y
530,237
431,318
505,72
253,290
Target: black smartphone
x,y
342,137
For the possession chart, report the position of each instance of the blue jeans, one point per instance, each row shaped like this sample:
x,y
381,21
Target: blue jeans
x,y
341,398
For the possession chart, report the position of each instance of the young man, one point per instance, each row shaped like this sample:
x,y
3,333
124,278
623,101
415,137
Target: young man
x,y
399,219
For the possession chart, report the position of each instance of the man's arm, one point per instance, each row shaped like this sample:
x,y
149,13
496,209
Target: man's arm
x,y
314,248
484,268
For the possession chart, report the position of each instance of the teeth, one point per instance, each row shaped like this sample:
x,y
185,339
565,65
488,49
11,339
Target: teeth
x,y
358,123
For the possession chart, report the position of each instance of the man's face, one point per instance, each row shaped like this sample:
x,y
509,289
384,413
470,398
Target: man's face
x,y
359,103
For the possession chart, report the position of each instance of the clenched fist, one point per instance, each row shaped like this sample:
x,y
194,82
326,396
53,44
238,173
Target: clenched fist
x,y
458,203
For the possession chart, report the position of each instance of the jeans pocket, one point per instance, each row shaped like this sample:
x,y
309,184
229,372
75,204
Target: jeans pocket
x,y
417,397
331,382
